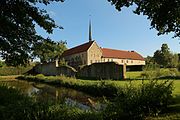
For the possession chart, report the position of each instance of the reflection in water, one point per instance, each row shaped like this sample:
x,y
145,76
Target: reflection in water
x,y
45,92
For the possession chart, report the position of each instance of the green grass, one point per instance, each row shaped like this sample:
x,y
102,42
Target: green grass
x,y
134,75
98,88
79,83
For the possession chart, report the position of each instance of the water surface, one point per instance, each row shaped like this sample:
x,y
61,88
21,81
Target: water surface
x,y
46,92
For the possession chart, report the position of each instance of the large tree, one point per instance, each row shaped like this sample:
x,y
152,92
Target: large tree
x,y
17,28
48,50
163,14
165,58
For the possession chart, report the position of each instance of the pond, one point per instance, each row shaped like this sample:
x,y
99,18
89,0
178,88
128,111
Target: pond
x,y
45,92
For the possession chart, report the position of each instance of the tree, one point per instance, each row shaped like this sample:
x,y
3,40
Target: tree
x,y
165,58
48,50
163,14
17,31
149,60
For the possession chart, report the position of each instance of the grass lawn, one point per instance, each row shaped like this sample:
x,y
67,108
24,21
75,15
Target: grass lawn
x,y
80,84
134,75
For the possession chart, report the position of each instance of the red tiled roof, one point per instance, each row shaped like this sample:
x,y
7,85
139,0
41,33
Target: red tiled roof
x,y
78,49
111,53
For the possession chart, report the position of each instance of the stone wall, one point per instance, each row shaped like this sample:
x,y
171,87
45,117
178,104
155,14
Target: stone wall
x,y
52,69
109,70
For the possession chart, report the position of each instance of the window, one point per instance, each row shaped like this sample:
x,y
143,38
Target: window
x,y
122,61
91,61
131,61
127,61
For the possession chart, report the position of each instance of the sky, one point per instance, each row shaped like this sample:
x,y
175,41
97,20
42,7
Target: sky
x,y
110,28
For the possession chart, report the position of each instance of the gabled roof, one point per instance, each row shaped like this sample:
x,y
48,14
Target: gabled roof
x,y
111,53
78,49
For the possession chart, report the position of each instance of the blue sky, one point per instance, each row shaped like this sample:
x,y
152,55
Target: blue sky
x,y
111,29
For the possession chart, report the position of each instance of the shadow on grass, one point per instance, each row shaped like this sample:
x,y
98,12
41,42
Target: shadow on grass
x,y
175,106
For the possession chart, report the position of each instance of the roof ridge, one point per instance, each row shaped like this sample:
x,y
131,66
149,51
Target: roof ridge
x,y
122,54
120,50
78,49
82,44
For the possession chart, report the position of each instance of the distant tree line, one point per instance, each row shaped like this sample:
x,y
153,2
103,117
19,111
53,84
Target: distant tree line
x,y
164,58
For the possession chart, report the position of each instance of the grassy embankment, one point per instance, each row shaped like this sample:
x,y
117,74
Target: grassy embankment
x,y
113,111
109,88
96,87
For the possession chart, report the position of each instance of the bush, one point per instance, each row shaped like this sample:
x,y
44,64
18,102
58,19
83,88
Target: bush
x,y
40,76
149,99
160,73
150,71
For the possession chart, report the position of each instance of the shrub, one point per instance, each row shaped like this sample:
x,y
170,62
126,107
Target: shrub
x,y
149,99
160,73
40,76
150,71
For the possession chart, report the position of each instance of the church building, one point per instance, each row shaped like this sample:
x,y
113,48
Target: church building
x,y
90,52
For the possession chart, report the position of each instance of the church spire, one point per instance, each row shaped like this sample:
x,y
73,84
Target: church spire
x,y
90,34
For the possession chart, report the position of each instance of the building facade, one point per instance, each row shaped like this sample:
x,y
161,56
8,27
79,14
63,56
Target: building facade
x,y
90,52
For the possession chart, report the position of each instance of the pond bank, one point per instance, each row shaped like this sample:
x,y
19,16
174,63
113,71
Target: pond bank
x,y
94,88
43,92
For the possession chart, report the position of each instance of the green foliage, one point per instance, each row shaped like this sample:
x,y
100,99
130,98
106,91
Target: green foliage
x,y
149,60
165,58
150,71
4,71
164,15
40,76
149,99
62,62
48,50
2,63
134,75
18,19
171,72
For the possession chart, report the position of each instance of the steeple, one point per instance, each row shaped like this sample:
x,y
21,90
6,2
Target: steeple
x,y
90,34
